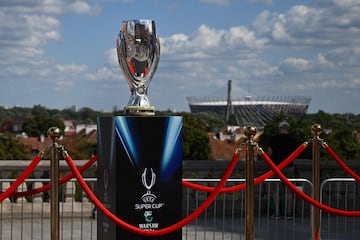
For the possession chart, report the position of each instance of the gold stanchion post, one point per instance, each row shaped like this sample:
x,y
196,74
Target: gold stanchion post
x,y
316,141
54,133
249,178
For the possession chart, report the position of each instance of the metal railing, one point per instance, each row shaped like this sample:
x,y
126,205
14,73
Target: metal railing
x,y
225,218
28,218
341,193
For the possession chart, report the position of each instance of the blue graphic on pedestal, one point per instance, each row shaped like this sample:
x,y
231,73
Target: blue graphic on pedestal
x,y
169,143
170,149
126,138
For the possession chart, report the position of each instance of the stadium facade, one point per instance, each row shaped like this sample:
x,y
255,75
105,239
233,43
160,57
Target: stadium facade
x,y
251,111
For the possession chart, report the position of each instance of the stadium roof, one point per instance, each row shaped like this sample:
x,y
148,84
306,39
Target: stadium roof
x,y
252,111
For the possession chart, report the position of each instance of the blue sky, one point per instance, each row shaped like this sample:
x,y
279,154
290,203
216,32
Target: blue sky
x,y
60,53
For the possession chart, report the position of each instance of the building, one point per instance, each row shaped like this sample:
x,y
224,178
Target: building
x,y
250,110
12,125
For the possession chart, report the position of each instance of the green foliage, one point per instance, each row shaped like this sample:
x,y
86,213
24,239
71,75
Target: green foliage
x,y
196,144
14,113
11,149
40,124
211,120
338,132
300,129
39,110
78,193
87,115
80,148
344,143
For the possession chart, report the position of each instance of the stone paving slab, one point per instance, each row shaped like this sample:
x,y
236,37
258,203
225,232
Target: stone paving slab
x,y
85,229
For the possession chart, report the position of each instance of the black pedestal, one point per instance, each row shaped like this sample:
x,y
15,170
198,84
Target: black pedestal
x,y
139,174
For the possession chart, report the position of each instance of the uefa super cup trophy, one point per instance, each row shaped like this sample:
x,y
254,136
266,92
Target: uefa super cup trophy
x,y
138,50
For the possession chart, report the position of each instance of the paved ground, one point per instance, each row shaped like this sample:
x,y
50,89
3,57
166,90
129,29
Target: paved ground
x,y
265,228
38,229
31,222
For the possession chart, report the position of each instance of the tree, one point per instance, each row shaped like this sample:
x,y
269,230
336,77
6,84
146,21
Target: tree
x,y
211,120
87,115
40,124
337,133
11,149
39,110
299,129
79,147
196,144
344,142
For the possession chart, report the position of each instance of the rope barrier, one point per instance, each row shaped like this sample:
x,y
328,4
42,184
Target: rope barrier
x,y
257,180
298,192
220,188
62,180
340,162
162,231
21,178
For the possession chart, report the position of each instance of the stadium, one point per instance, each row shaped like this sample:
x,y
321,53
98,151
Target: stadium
x,y
251,111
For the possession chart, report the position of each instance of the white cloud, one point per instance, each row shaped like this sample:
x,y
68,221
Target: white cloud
x,y
295,64
328,23
261,24
216,2
280,33
71,68
206,41
16,71
40,29
51,7
243,36
174,43
307,50
26,28
265,72
111,58
260,1
82,7
104,73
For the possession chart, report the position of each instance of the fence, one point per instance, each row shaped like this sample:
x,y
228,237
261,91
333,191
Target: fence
x,y
28,218
341,193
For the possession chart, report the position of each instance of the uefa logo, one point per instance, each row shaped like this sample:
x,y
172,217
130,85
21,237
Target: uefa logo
x,y
148,197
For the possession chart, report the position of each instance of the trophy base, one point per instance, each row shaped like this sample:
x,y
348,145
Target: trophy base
x,y
139,111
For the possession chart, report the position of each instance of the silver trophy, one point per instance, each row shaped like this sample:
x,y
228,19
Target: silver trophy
x,y
138,50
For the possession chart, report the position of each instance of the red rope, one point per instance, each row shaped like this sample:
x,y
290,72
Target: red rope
x,y
21,178
258,180
341,163
61,180
298,192
163,231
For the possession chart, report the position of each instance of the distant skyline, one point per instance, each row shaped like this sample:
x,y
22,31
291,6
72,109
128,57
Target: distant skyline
x,y
62,53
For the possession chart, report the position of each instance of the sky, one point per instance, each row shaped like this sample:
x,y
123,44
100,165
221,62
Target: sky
x,y
62,53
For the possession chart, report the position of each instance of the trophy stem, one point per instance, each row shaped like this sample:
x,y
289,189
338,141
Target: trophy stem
x,y
139,104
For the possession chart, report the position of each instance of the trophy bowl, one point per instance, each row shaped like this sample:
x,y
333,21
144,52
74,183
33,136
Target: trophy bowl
x,y
138,50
